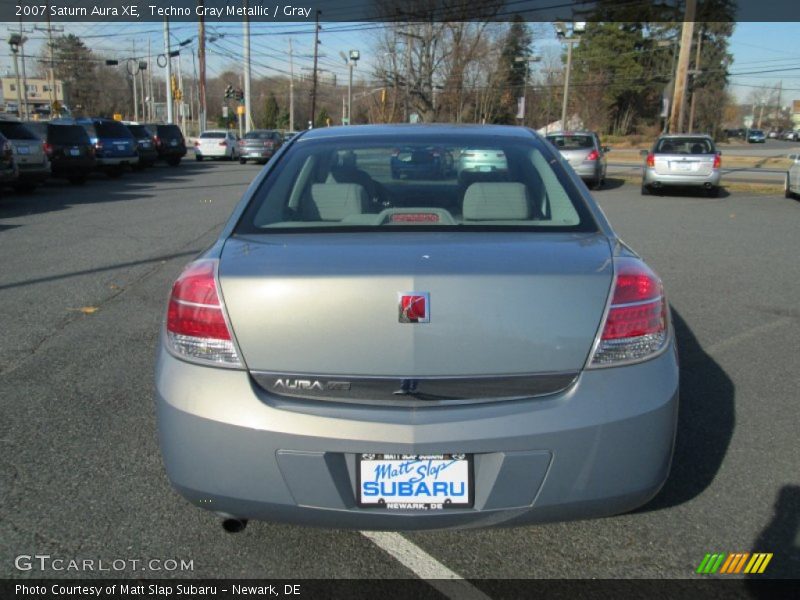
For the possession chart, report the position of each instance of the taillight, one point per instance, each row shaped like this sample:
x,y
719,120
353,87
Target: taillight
x,y
635,328
157,140
196,325
651,160
223,143
48,148
593,155
98,145
717,161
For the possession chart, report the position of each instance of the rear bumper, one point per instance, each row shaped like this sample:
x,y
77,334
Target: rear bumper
x,y
602,447
588,170
655,179
212,153
255,154
76,166
116,161
34,173
171,152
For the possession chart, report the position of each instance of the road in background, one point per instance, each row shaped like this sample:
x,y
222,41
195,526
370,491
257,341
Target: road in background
x,y
84,280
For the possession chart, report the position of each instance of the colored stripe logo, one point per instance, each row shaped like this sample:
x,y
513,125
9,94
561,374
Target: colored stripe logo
x,y
735,562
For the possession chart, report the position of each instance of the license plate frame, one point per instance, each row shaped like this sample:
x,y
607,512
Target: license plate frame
x,y
462,477
74,152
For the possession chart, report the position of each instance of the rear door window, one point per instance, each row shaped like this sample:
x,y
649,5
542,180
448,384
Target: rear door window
x,y
213,135
67,134
139,131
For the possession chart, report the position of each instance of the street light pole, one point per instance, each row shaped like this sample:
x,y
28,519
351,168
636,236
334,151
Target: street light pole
x,y
561,32
14,42
170,118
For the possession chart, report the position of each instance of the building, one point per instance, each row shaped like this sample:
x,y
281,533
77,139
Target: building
x,y
39,96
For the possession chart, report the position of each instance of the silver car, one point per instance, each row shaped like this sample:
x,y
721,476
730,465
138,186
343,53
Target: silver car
x,y
682,160
29,155
448,356
583,152
791,186
217,143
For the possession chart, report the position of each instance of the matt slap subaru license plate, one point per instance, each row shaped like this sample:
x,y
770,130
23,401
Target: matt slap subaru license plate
x,y
415,481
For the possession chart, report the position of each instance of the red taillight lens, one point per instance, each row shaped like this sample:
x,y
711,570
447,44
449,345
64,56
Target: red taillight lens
x,y
48,148
98,145
593,155
157,140
223,143
636,325
651,160
196,325
717,161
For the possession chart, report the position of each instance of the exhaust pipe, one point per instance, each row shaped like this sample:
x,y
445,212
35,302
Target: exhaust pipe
x,y
234,525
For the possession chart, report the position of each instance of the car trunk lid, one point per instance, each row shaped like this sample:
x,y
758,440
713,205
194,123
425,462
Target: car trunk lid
x,y
683,164
499,303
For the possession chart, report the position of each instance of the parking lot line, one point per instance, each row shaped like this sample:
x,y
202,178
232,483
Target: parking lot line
x,y
424,566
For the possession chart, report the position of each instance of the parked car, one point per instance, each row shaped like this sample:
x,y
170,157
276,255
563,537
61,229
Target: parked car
x,y
69,149
452,357
682,160
259,145
773,135
170,142
145,145
791,185
583,152
9,174
114,144
413,162
482,160
756,136
216,143
792,135
29,155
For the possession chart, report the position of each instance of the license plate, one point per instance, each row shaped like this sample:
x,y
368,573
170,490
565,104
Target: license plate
x,y
682,166
23,150
122,147
74,152
414,481
173,143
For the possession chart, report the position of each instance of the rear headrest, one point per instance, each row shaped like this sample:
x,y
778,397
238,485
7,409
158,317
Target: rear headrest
x,y
496,202
335,201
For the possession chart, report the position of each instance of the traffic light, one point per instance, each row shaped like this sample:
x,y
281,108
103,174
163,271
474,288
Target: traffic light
x,y
240,95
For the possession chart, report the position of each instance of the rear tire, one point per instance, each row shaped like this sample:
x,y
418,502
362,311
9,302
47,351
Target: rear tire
x,y
198,158
173,162
242,161
713,192
78,180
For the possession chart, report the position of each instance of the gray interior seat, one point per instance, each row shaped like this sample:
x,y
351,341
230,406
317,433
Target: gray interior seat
x,y
335,201
501,201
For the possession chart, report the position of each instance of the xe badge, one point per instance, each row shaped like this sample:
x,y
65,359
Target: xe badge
x,y
414,307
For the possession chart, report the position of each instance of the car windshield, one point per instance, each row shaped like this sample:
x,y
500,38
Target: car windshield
x,y
212,134
67,134
371,183
756,132
16,131
686,145
260,135
572,142
112,129
139,131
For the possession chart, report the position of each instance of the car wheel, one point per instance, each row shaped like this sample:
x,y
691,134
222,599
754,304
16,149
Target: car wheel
x,y
173,162
713,191
242,161
78,180
198,158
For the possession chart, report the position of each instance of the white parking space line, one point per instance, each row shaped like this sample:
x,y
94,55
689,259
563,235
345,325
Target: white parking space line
x,y
742,336
426,567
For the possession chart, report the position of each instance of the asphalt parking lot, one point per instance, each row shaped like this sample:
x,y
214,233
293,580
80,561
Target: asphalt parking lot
x,y
84,279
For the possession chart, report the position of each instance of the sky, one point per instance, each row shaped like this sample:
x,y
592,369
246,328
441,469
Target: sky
x,y
764,53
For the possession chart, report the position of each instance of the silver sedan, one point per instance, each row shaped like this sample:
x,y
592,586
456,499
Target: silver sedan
x,y
791,186
434,354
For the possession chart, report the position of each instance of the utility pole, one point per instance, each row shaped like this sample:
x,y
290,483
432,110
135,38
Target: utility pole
x,y
133,77
201,58
679,96
24,74
561,31
314,85
291,88
14,50
248,119
695,73
141,88
151,92
170,116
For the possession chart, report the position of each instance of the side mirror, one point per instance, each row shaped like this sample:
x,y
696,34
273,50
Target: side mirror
x,y
719,152
643,153
792,157
606,148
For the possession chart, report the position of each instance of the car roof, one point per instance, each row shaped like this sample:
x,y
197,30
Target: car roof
x,y
683,135
409,132
582,132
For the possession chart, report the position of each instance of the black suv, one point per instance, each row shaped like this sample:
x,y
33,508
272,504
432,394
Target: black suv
x,y
69,149
170,142
8,167
145,145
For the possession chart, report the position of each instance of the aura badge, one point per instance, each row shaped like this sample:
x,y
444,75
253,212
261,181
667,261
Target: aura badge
x,y
414,307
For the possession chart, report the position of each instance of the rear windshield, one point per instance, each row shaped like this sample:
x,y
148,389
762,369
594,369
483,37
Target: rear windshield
x,y
67,134
16,131
169,131
38,129
112,129
89,129
572,142
261,135
212,134
685,146
370,183
139,131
